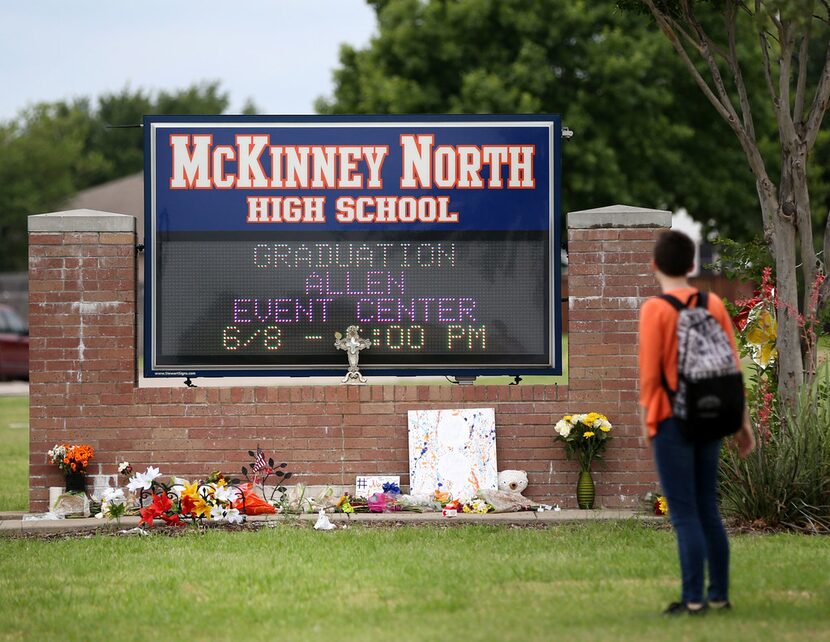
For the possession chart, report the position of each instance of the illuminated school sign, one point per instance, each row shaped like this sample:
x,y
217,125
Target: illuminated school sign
x,y
438,236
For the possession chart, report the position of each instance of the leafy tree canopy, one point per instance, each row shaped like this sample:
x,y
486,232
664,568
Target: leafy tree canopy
x,y
644,135
52,150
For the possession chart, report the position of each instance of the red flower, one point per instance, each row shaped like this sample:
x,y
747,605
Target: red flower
x,y
172,520
148,515
162,503
187,505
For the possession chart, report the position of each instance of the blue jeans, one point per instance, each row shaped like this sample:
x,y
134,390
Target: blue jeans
x,y
689,477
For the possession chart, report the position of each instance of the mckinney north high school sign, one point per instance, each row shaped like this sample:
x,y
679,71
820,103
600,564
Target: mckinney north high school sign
x,y
438,236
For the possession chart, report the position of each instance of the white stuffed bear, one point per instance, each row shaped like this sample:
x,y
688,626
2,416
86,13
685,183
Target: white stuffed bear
x,y
513,481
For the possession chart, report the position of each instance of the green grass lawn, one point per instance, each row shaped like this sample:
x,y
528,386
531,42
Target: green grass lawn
x,y
598,581
14,453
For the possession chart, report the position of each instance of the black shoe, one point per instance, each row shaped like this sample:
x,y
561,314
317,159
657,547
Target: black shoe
x,y
679,608
720,606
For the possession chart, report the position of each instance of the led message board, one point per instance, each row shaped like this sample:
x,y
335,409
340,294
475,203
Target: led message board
x,y
438,236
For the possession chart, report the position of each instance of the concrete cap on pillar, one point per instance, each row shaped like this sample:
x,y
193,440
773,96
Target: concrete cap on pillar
x,y
81,221
619,216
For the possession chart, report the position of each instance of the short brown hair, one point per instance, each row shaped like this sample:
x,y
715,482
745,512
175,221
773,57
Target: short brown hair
x,y
674,253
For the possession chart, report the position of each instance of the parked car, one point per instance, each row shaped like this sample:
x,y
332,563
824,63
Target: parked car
x,y
14,345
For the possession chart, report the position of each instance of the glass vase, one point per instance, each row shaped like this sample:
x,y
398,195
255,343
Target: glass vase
x,y
585,490
75,482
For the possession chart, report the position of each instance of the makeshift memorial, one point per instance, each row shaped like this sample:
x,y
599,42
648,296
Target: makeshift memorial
x,y
215,499
504,501
585,437
73,461
113,505
323,523
453,450
367,485
261,470
513,480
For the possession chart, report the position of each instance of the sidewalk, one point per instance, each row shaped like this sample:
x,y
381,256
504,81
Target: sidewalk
x,y
13,523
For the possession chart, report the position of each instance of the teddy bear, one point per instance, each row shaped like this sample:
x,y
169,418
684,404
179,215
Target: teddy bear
x,y
513,481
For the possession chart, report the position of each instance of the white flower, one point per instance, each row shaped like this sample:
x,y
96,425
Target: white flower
x,y
143,481
101,514
578,419
234,516
123,466
217,513
113,496
223,495
563,427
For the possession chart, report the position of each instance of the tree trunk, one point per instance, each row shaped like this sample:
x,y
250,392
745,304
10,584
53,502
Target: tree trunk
x,y
781,235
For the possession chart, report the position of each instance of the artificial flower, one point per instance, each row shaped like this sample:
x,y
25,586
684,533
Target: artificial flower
x,y
187,504
172,520
217,513
200,507
124,468
143,481
234,516
391,487
760,332
148,514
162,503
225,494
345,504
114,496
190,490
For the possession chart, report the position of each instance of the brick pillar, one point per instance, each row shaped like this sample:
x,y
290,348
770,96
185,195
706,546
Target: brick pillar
x,y
82,332
609,277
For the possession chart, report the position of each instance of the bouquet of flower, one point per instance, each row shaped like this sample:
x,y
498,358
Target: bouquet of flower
x,y
113,504
585,436
71,459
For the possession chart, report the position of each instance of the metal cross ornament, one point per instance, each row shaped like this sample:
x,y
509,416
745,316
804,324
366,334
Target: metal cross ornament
x,y
352,343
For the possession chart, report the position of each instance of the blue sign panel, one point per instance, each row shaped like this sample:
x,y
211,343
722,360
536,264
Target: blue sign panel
x,y
438,236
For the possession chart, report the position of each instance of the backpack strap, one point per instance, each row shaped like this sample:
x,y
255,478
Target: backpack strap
x,y
677,304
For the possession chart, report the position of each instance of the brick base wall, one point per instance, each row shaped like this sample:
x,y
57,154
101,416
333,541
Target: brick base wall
x,y
82,314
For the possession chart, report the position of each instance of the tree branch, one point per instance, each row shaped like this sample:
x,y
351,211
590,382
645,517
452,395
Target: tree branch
x,y
785,121
730,20
801,83
708,56
820,104
762,37
766,187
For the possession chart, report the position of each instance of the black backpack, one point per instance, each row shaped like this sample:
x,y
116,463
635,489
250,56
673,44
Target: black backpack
x,y
709,401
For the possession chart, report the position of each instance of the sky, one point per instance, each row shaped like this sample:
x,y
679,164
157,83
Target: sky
x,y
279,53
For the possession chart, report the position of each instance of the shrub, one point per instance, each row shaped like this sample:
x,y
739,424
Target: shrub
x,y
785,482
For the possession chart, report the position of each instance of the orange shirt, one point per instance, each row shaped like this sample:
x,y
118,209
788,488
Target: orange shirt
x,y
658,351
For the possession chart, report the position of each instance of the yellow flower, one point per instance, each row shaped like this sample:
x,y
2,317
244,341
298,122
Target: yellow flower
x,y
191,490
605,427
566,418
200,508
587,434
592,417
760,332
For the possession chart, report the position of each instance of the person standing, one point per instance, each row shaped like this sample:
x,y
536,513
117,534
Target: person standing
x,y
688,470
